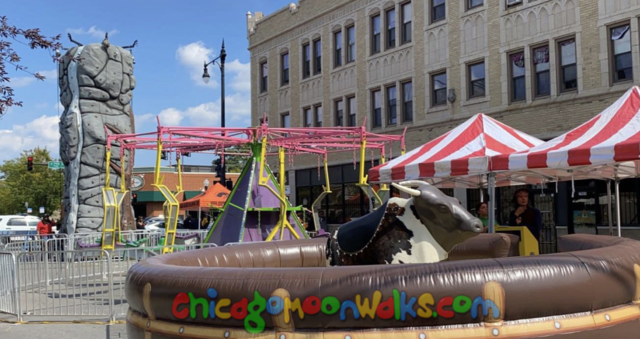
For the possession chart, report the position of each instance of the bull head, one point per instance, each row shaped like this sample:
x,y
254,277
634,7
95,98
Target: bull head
x,y
443,216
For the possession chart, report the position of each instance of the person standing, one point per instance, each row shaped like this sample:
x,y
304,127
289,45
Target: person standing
x,y
45,227
524,214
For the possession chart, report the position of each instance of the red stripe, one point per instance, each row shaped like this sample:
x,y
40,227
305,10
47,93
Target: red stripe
x,y
539,159
461,166
398,171
427,168
513,132
374,173
627,150
497,146
582,154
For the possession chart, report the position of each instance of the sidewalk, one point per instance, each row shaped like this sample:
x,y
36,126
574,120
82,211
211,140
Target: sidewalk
x,y
67,331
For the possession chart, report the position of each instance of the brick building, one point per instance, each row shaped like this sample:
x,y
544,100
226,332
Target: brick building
x,y
541,66
149,200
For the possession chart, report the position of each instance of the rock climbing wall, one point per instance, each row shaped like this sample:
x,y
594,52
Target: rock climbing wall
x,y
96,85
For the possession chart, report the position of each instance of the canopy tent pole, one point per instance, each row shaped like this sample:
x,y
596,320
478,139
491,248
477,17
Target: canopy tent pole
x,y
492,202
199,217
610,214
481,192
618,207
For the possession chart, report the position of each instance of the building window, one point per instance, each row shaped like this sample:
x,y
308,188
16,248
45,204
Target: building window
x,y
306,61
439,89
308,119
376,97
285,69
474,3
542,78
513,3
351,106
317,51
437,10
391,28
518,85
407,101
392,116
337,58
318,116
339,113
568,68
285,121
476,80
375,34
264,71
622,62
351,44
406,22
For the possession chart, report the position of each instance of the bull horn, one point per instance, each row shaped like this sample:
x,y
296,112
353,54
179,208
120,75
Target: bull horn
x,y
411,191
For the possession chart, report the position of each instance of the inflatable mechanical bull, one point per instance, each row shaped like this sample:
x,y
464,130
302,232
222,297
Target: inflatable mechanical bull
x,y
421,229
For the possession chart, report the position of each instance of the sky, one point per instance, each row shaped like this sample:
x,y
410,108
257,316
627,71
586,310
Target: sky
x,y
174,40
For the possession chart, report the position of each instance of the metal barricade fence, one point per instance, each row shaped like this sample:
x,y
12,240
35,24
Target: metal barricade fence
x,y
8,284
71,284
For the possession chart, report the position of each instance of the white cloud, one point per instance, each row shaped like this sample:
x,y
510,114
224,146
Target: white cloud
x,y
42,132
17,82
171,117
21,81
241,81
237,113
194,55
93,31
141,120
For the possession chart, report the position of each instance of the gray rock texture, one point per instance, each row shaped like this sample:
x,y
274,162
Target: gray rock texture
x,y
96,83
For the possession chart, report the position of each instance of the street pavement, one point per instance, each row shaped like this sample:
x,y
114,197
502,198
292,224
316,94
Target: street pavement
x,y
67,331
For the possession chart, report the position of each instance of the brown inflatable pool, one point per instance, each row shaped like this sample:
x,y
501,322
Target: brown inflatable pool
x,y
591,289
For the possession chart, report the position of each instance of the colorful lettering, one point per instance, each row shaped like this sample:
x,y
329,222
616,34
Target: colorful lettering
x,y
486,305
332,302
289,306
223,303
385,310
364,307
180,299
343,310
254,313
275,305
423,301
212,293
311,305
239,309
446,301
406,307
194,305
458,307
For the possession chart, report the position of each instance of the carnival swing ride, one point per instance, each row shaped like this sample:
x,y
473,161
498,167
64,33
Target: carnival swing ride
x,y
257,208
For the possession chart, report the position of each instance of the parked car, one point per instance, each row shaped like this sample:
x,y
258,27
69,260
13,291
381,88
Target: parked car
x,y
157,224
16,227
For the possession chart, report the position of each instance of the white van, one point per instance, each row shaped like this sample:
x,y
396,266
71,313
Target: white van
x,y
11,225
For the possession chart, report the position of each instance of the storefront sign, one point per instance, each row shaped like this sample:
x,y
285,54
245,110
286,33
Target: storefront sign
x,y
137,182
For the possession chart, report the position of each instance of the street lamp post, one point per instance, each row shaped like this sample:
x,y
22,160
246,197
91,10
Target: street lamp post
x,y
206,77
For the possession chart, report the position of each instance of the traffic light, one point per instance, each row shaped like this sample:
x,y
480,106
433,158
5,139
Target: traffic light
x,y
163,155
30,164
229,184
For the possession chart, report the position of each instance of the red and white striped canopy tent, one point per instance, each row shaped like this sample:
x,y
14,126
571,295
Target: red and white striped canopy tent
x,y
459,158
605,147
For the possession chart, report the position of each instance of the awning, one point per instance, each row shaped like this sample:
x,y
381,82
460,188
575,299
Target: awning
x,y
215,196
